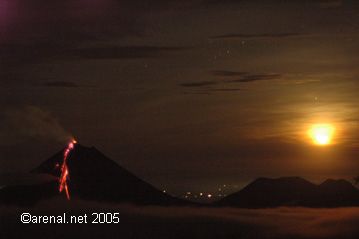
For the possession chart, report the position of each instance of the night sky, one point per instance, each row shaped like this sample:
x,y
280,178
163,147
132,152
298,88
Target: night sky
x,y
188,95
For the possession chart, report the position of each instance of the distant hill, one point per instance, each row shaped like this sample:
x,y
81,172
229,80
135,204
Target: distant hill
x,y
334,193
293,191
93,176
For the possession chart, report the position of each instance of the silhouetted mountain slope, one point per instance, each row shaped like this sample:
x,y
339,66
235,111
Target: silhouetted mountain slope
x,y
293,191
93,176
265,192
340,192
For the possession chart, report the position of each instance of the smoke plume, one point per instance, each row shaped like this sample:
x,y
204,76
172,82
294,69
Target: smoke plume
x,y
31,122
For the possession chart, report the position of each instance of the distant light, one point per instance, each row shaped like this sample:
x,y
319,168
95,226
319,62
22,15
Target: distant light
x,y
209,195
201,194
188,193
164,191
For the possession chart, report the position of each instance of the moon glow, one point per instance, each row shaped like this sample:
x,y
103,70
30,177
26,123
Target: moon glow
x,y
321,134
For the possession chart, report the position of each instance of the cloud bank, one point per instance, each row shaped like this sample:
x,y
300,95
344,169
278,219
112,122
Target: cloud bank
x,y
186,222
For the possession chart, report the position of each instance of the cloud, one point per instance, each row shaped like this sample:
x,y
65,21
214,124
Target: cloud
x,y
206,87
320,3
31,122
326,4
228,73
242,77
258,36
198,84
188,222
217,2
257,77
125,52
225,89
68,26
64,84
36,32
208,91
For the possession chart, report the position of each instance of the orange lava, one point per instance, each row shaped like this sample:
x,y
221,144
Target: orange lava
x,y
65,170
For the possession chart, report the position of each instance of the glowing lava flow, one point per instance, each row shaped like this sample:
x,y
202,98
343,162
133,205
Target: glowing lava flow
x,y
65,170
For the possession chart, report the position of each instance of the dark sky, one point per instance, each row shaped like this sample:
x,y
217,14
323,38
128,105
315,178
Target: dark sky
x,y
186,94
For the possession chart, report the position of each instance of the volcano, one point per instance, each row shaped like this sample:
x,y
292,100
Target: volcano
x,y
92,176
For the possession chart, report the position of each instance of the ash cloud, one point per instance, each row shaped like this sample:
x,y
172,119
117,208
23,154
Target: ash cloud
x,y
31,122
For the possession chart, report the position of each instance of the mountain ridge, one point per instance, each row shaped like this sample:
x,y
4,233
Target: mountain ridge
x,y
293,191
94,176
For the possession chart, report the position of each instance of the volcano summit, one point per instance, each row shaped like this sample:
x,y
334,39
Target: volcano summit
x,y
91,176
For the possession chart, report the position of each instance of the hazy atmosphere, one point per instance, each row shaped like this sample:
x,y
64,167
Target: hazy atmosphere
x,y
188,95
179,119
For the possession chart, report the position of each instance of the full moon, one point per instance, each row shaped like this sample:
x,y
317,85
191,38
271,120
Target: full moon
x,y
321,134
